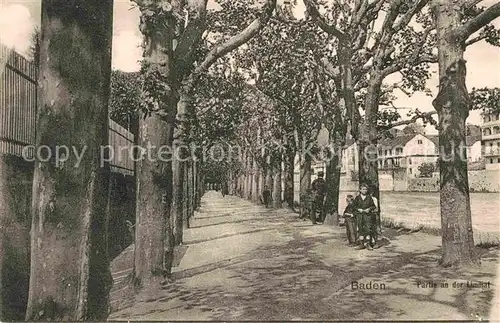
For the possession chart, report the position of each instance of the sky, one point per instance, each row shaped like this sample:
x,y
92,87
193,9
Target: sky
x,y
18,18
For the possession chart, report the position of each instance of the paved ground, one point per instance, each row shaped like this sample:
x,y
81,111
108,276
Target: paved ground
x,y
243,262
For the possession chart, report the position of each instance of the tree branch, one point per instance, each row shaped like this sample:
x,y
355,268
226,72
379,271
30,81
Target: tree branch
x,y
479,21
383,39
469,4
409,121
191,37
234,42
413,57
405,20
327,28
475,39
367,10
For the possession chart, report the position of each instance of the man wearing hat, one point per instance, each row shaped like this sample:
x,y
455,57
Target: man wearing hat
x,y
318,190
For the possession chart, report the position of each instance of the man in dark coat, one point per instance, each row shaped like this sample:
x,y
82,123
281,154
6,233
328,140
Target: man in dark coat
x,y
266,196
319,190
224,189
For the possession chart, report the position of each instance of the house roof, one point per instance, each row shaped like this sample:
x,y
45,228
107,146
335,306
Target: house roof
x,y
471,140
404,139
396,141
434,139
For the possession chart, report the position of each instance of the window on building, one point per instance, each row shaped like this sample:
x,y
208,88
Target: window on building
x,y
486,131
498,161
409,161
409,170
487,118
496,130
419,142
491,160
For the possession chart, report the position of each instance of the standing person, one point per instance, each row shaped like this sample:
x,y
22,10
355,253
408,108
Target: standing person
x,y
266,196
319,190
350,221
225,189
365,210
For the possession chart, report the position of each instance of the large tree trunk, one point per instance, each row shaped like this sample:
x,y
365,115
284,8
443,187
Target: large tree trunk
x,y
190,201
345,57
367,142
333,187
179,168
305,176
178,199
241,181
16,178
200,183
249,175
452,104
289,163
255,181
153,235
262,182
70,277
276,174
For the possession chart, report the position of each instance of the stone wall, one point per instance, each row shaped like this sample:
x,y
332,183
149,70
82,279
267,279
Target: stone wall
x,y
484,181
479,181
423,184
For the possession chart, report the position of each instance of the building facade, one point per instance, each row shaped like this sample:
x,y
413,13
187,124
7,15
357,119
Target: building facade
x,y
491,140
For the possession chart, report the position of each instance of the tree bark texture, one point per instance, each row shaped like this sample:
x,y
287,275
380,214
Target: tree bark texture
x,y
289,165
179,168
187,196
305,175
255,181
178,199
333,187
191,183
452,104
367,141
277,190
154,238
16,181
69,276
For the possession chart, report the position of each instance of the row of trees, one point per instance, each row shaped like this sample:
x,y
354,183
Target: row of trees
x,y
320,77
372,41
329,71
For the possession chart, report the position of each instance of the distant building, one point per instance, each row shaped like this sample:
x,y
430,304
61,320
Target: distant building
x,y
473,149
408,151
405,151
491,140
